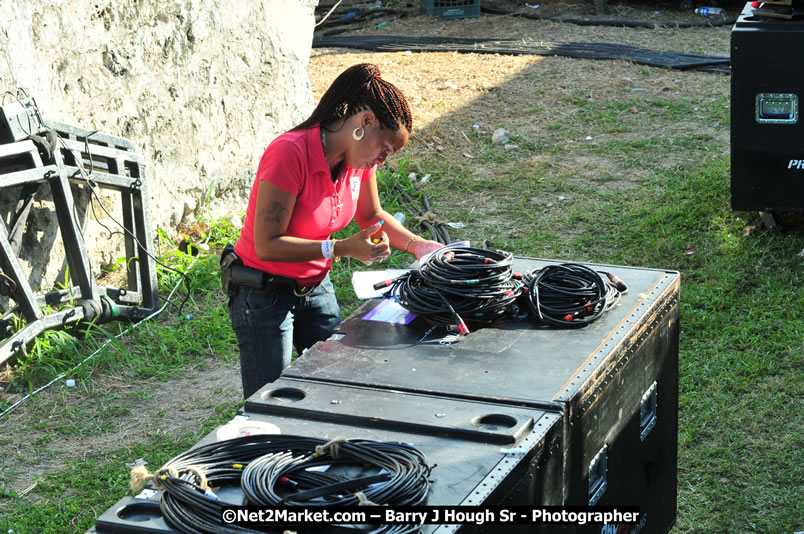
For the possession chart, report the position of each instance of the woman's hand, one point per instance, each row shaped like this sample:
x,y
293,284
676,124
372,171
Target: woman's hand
x,y
361,247
422,247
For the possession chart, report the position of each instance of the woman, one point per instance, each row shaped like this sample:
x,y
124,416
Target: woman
x,y
310,183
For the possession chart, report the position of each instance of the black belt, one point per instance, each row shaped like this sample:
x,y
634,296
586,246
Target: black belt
x,y
235,274
276,282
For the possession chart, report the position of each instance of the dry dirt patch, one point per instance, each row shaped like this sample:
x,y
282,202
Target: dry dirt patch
x,y
107,413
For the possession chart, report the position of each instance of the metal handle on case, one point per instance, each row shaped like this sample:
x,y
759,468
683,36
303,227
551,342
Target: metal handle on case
x,y
598,474
648,411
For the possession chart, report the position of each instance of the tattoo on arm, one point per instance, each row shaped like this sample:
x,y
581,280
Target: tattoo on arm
x,y
273,213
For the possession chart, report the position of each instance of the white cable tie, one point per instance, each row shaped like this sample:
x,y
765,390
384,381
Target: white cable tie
x,y
515,450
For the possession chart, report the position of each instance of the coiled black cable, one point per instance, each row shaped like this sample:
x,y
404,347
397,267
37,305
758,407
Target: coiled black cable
x,y
571,294
461,286
402,478
426,220
275,470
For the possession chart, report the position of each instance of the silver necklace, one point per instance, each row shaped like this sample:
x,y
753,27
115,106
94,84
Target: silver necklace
x,y
324,146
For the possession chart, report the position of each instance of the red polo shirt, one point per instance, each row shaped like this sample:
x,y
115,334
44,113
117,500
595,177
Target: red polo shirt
x,y
295,163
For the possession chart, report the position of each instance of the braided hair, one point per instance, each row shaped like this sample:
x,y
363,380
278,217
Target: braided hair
x,y
358,88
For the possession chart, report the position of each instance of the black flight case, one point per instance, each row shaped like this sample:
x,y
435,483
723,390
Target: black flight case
x,y
520,414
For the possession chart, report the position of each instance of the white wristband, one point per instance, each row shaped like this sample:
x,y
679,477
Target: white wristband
x,y
326,248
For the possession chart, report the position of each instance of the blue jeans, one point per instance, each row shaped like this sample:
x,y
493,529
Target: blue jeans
x,y
266,322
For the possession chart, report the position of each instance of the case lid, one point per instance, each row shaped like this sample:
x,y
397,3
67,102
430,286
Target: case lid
x,y
519,363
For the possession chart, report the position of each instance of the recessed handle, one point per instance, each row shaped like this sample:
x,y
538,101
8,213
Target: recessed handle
x,y
598,473
647,411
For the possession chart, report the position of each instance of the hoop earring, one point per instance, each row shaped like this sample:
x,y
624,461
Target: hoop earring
x,y
356,136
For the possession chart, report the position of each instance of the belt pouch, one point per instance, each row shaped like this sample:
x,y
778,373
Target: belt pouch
x,y
246,276
228,260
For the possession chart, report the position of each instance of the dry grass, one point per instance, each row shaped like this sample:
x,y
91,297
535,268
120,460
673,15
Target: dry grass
x,y
449,92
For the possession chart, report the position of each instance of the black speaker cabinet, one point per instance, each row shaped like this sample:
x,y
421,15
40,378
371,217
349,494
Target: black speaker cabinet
x,y
767,86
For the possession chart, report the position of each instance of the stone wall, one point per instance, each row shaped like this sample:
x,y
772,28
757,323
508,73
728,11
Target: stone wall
x,y
201,86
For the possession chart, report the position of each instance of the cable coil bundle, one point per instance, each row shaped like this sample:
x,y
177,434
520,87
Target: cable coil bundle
x,y
570,294
402,477
287,470
460,285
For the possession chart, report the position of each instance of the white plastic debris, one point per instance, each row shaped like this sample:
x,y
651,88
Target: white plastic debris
x,y
510,146
451,85
412,176
70,383
476,126
589,138
455,224
500,136
426,178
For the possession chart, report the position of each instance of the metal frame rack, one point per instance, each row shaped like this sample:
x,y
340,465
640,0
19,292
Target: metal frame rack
x,y
92,159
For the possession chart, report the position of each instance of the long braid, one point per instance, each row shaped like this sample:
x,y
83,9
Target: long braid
x,y
358,88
